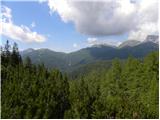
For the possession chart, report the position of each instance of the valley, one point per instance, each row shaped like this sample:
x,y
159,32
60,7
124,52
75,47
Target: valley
x,y
68,62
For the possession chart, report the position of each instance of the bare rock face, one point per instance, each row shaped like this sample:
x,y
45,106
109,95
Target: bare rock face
x,y
129,43
152,38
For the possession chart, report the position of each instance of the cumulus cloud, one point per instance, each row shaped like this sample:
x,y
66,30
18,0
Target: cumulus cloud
x,y
143,31
148,20
108,17
21,33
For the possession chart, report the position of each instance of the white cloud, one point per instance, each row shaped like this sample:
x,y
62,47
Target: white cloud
x,y
6,14
21,33
148,20
107,17
75,45
96,41
143,30
92,41
33,24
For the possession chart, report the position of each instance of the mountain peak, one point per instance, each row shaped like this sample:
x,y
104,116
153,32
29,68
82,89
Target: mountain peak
x,y
152,38
29,50
129,43
44,49
102,45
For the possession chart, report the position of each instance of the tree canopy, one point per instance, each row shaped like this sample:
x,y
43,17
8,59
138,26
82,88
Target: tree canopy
x,y
128,89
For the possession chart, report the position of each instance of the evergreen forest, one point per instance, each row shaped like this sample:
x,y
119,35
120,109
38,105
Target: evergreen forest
x,y
124,89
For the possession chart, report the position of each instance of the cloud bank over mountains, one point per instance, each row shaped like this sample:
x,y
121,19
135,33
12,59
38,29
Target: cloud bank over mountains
x,y
97,18
95,41
21,33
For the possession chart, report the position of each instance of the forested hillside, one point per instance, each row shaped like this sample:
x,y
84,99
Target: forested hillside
x,y
126,89
67,62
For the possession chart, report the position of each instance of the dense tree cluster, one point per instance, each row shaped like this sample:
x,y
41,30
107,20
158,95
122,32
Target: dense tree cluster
x,y
125,90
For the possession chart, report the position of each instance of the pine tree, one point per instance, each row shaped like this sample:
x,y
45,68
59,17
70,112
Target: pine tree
x,y
128,89
15,56
7,54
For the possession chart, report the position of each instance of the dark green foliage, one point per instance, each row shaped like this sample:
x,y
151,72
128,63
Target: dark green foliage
x,y
51,59
123,89
15,56
128,89
30,91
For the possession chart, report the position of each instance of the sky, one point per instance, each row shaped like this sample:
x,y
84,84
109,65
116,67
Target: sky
x,y
69,25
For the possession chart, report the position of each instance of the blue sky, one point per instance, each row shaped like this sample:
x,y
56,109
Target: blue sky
x,y
59,35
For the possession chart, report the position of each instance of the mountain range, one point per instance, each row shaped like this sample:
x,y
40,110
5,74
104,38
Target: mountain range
x,y
89,55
